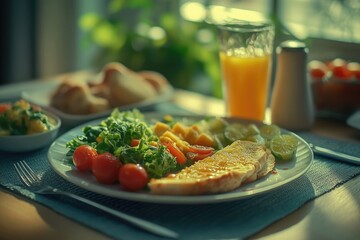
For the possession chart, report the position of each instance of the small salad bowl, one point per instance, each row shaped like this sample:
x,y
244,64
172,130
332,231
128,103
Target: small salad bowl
x,y
30,142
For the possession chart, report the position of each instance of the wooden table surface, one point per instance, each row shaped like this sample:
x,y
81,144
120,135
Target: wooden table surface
x,y
335,215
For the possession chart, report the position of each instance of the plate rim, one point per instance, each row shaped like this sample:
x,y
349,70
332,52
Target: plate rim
x,y
354,120
170,199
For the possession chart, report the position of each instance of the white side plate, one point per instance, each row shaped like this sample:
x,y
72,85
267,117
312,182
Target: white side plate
x,y
41,96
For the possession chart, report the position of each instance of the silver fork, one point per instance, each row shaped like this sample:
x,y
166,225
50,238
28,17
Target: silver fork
x,y
34,184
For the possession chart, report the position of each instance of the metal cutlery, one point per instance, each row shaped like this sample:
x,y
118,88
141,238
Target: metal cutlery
x,y
334,155
34,184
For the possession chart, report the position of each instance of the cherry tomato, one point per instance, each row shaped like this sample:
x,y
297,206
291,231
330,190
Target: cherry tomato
x,y
336,62
339,69
317,69
83,158
200,149
132,177
106,168
179,155
134,142
354,69
4,107
342,72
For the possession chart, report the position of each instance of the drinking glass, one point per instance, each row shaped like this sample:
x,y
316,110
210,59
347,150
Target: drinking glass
x,y
246,58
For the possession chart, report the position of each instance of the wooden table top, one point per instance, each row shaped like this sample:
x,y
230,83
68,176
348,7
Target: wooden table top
x,y
334,215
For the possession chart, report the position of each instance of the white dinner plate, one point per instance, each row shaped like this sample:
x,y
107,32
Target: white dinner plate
x,y
41,96
282,174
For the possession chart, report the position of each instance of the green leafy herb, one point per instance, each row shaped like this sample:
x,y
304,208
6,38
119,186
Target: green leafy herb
x,y
115,134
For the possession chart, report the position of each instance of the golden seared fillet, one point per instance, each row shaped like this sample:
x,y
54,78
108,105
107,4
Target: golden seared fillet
x,y
226,170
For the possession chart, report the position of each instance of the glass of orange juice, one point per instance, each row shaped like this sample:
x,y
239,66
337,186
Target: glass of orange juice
x,y
245,57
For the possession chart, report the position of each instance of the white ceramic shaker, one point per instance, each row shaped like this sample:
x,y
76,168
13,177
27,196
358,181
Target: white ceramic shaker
x,y
292,102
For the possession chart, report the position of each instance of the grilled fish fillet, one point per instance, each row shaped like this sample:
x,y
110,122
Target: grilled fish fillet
x,y
226,170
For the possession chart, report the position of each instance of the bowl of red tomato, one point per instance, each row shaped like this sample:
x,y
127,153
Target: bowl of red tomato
x,y
336,86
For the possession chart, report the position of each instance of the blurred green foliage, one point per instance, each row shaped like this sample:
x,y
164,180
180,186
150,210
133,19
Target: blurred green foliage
x,y
151,35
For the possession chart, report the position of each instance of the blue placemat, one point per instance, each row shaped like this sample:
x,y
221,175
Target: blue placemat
x,y
237,219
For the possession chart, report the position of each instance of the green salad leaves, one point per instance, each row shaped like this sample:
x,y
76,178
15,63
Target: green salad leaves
x,y
115,135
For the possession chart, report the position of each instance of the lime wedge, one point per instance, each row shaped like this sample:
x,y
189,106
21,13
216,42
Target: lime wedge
x,y
284,146
256,138
252,130
269,131
235,131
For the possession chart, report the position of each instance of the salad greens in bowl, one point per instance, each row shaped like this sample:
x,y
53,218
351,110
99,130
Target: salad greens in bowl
x,y
26,127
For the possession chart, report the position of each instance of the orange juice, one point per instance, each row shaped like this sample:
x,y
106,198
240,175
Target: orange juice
x,y
246,81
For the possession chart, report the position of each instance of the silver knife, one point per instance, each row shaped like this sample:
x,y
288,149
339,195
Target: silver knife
x,y
335,155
